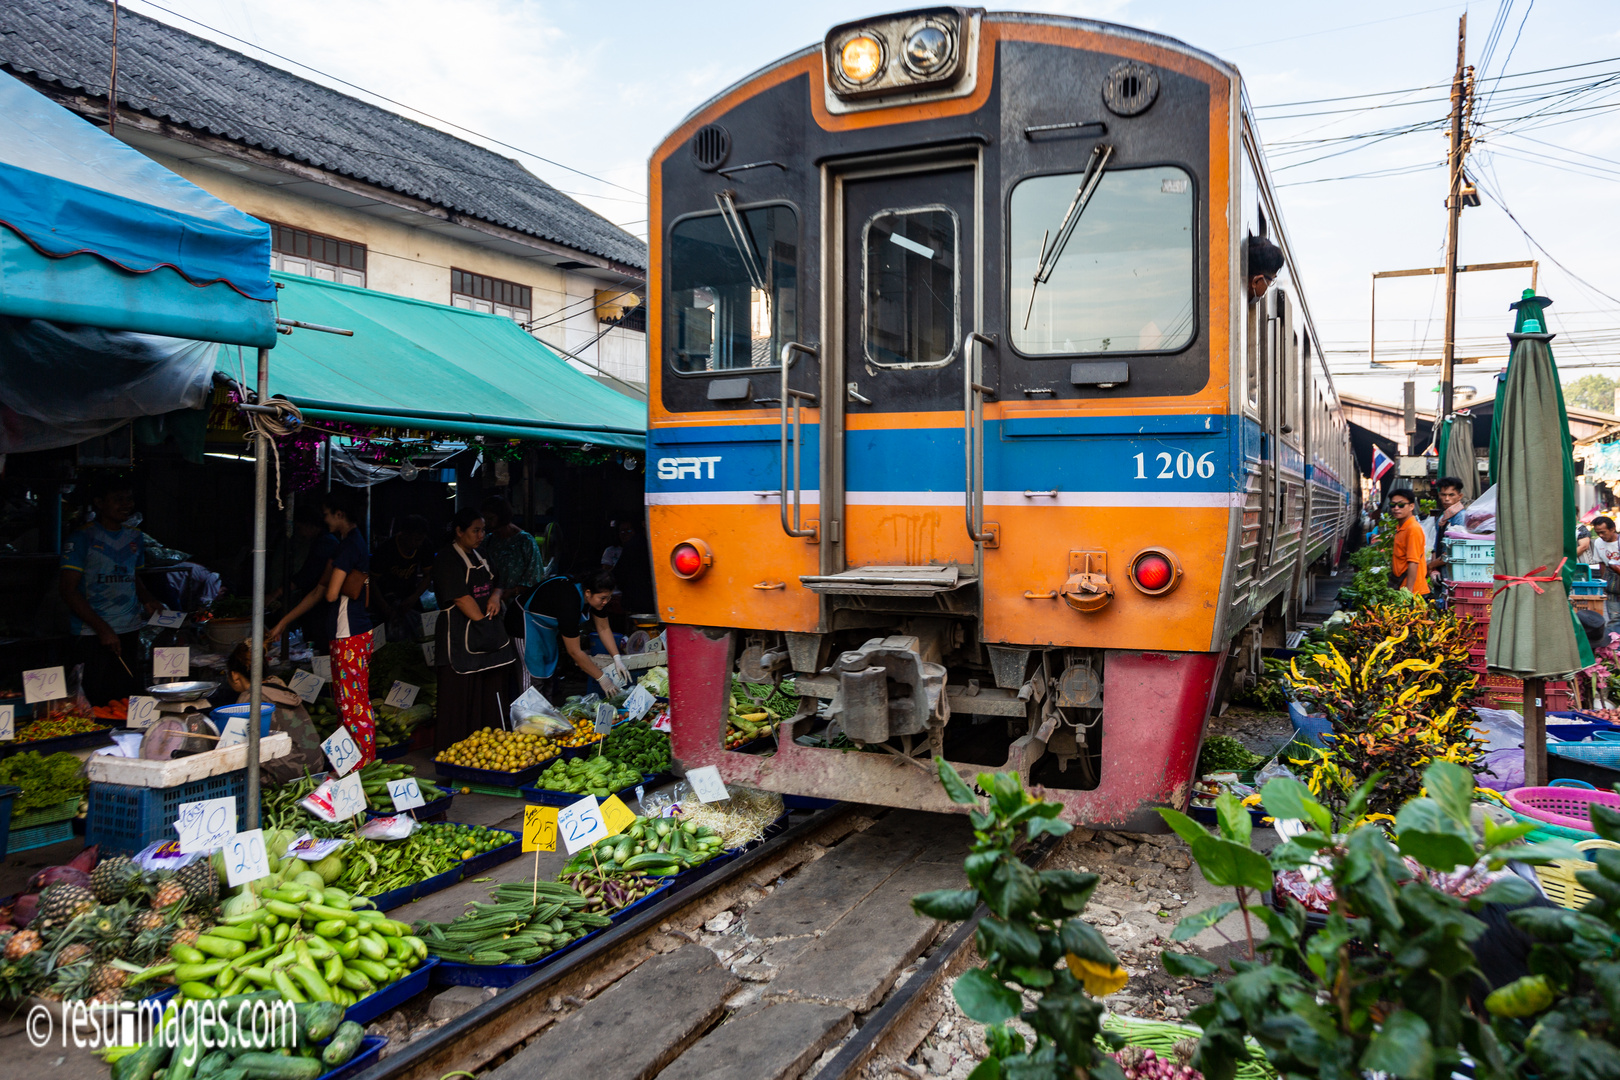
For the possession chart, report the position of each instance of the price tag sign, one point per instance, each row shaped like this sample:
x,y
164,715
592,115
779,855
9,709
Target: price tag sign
x,y
8,722
402,695
539,828
322,667
405,793
236,731
143,712
430,622
205,825
306,685
379,638
309,849
341,750
171,662
245,858
616,816
605,715
581,824
707,785
348,796
44,684
639,701
430,654
617,676
170,620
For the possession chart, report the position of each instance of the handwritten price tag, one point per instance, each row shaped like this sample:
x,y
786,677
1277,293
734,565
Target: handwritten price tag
x,y
605,715
143,712
405,793
341,750
379,638
539,828
639,701
245,858
8,722
707,785
306,685
171,662
44,684
616,816
322,667
170,620
402,695
348,796
430,622
581,824
236,731
430,654
205,825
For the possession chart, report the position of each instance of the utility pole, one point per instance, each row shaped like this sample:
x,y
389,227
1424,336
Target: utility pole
x,y
1462,90
112,78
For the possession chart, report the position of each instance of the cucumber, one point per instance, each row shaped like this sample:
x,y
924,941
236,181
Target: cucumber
x,y
142,1063
319,1019
345,1041
224,948
256,1066
651,860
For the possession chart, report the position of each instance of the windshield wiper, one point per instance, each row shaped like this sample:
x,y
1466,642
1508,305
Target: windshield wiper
x,y
1082,195
741,239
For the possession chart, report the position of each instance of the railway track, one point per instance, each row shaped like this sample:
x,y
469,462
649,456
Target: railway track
x,y
801,958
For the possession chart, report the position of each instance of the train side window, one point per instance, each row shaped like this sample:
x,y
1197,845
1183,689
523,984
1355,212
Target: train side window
x,y
913,288
1123,282
733,302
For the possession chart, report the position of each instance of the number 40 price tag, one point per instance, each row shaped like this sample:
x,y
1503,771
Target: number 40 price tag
x,y
245,858
405,793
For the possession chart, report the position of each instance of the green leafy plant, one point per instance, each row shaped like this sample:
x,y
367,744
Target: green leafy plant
x,y
1270,692
1370,586
1562,1021
1384,985
1222,753
1032,941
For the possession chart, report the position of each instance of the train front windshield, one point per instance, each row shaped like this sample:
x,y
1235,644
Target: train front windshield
x,y
733,294
1124,282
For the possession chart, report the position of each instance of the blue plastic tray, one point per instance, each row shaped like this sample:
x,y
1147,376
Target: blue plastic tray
x,y
453,973
492,777
548,797
394,994
1606,754
403,895
364,1058
807,802
38,836
83,739
505,853
430,811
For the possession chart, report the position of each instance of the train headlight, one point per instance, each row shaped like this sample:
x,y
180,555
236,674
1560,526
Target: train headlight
x,y
691,559
928,48
1155,571
861,58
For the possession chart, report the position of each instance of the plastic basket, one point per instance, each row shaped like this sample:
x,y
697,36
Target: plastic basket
x,y
1473,592
1472,571
455,973
1470,550
1559,806
125,819
492,777
99,737
38,836
1593,753
428,811
393,995
1558,878
1546,830
65,810
1587,588
396,898
494,857
549,797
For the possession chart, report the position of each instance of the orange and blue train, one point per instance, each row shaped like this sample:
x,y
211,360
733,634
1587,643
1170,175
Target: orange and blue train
x,y
986,411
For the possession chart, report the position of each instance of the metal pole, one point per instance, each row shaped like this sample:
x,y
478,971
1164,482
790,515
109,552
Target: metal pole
x,y
261,511
1454,160
288,601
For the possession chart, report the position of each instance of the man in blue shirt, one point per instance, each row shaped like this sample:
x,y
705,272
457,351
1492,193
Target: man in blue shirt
x,y
100,582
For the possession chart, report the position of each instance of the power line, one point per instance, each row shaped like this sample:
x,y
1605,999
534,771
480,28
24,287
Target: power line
x,y
1436,86
1497,198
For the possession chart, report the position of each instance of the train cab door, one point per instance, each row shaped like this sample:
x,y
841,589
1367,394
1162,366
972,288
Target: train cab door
x,y
907,259
1272,358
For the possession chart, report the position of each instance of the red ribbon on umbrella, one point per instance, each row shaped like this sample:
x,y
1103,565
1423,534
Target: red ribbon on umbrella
x,y
1530,579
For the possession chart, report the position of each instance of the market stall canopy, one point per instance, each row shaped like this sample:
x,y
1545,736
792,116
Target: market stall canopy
x,y
95,233
415,364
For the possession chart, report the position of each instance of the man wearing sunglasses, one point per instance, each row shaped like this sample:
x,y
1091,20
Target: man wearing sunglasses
x,y
1407,565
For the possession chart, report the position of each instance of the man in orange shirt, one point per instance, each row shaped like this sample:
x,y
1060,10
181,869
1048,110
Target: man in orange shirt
x,y
1407,563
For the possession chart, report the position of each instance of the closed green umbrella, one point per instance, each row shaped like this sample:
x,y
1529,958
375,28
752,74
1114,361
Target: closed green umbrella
x,y
1533,632
1496,425
1457,456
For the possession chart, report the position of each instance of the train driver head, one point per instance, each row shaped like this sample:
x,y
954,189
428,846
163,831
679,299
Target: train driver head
x,y
1265,261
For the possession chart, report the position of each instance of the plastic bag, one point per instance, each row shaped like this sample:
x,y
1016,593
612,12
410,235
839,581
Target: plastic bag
x,y
1504,728
392,827
1504,770
532,714
165,855
1480,515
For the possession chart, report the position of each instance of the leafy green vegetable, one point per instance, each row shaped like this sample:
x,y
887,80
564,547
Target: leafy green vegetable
x,y
45,779
1222,753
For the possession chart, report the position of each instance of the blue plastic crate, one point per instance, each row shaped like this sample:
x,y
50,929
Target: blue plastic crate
x,y
492,777
494,857
125,819
38,836
548,797
395,898
455,973
1471,550
1587,588
364,1058
1472,571
393,995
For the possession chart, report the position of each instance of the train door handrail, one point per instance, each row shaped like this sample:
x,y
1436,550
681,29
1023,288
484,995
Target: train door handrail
x,y
793,398
973,394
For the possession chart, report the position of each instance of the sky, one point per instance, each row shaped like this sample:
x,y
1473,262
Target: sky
x,y
584,91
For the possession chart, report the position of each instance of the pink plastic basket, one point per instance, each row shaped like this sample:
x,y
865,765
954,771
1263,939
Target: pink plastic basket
x,y
1560,805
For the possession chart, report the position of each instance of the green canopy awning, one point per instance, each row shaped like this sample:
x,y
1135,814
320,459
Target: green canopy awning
x,y
414,364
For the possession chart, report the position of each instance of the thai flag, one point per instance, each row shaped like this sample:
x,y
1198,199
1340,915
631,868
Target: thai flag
x,y
1381,463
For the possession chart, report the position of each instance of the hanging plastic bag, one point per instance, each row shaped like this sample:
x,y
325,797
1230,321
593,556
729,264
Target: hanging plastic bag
x,y
532,714
392,827
1480,515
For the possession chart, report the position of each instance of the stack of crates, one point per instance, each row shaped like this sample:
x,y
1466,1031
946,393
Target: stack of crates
x,y
1471,560
1587,588
1472,597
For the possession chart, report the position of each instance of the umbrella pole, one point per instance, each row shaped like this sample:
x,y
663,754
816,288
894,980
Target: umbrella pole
x,y
261,511
1535,734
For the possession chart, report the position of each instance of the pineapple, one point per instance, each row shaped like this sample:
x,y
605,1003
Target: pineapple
x,y
105,979
22,943
59,905
169,892
18,976
147,920
72,982
109,930
185,935
113,879
201,884
152,942
72,954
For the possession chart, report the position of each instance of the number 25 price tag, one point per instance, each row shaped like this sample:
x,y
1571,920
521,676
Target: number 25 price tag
x,y
205,825
405,793
539,828
245,858
341,750
581,824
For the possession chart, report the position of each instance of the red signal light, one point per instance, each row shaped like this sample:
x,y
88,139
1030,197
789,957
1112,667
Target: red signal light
x,y
1155,571
690,559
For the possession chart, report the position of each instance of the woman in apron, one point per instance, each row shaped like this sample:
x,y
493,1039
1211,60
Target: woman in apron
x,y
477,674
553,617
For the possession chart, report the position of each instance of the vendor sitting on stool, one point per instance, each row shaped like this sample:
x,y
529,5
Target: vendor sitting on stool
x,y
100,582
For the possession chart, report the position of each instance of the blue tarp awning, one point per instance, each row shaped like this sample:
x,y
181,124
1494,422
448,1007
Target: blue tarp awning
x,y
95,233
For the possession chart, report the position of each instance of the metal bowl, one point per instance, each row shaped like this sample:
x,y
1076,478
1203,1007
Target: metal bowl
x,y
182,691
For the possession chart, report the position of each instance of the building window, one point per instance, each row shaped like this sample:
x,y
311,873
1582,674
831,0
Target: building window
x,y
296,251
492,296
